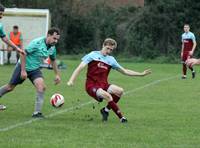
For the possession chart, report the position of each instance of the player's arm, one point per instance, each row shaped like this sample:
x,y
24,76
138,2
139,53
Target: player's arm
x,y
56,71
23,66
21,42
10,43
182,47
193,47
129,72
76,73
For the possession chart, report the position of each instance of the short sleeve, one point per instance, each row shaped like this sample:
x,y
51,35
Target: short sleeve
x,y
115,64
193,37
87,58
53,55
2,33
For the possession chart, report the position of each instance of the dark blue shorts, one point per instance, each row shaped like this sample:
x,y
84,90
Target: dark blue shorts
x,y
16,76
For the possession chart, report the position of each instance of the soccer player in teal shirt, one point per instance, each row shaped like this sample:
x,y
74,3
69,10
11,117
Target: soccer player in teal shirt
x,y
29,66
3,34
7,41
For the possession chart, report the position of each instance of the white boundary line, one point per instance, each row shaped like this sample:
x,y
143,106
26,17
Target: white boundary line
x,y
79,106
150,84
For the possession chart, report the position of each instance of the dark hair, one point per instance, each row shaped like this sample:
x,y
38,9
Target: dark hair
x,y
2,8
52,30
15,27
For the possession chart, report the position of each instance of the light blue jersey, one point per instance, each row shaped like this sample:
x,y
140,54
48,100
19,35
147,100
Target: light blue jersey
x,y
188,36
97,56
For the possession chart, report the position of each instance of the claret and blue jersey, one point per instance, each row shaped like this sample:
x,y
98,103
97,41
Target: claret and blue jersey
x,y
187,39
99,66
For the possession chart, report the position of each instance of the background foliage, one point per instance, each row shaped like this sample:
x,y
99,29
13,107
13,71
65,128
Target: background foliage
x,y
148,32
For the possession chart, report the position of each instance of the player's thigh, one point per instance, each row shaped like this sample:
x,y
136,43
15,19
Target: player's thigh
x,y
185,56
103,94
114,89
16,76
36,78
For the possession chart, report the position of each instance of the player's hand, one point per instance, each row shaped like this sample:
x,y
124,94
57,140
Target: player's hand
x,y
23,74
21,51
146,72
190,53
192,61
57,79
70,83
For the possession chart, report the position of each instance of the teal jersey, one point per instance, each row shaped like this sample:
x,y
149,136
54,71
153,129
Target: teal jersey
x,y
36,52
2,33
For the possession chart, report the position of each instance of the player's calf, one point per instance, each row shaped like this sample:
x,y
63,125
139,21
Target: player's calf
x,y
104,114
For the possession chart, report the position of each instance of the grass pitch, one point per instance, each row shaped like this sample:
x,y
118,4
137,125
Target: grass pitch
x,y
162,111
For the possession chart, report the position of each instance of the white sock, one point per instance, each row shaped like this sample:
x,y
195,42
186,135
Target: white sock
x,y
106,109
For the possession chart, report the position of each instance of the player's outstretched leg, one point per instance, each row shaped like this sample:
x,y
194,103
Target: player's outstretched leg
x,y
111,104
116,92
3,90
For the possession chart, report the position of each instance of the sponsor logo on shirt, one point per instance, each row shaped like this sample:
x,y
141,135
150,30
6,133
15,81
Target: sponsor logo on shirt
x,y
101,65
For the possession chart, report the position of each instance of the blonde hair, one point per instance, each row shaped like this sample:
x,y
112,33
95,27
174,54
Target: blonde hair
x,y
110,41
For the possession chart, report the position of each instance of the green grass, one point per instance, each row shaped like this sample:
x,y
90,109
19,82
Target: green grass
x,y
163,114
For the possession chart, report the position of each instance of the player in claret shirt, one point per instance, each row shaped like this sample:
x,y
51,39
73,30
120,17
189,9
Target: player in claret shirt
x,y
99,65
187,51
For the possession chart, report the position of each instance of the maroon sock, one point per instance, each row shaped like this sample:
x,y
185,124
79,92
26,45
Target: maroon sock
x,y
115,108
115,99
184,69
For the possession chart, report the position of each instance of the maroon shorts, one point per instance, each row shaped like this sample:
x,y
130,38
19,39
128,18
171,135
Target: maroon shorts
x,y
92,90
185,56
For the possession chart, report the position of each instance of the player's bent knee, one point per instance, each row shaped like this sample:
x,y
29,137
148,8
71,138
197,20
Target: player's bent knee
x,y
108,97
121,91
41,88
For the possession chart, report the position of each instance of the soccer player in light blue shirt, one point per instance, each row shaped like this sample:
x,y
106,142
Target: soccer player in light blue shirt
x,y
99,64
